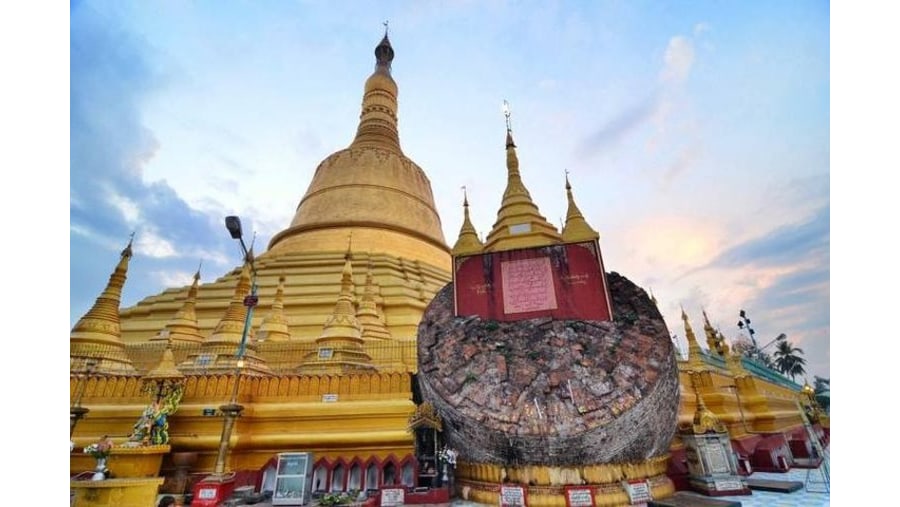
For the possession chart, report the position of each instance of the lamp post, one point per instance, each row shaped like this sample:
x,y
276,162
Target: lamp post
x,y
745,322
76,411
233,409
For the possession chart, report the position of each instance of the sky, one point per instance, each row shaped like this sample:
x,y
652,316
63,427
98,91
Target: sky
x,y
696,136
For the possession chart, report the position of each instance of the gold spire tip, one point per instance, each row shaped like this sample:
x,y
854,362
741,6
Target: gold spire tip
x,y
507,113
127,251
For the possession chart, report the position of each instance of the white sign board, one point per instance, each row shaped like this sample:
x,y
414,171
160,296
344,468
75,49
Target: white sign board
x,y
393,497
638,492
329,398
511,496
727,485
580,497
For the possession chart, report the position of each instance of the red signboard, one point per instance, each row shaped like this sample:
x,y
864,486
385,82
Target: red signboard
x,y
559,281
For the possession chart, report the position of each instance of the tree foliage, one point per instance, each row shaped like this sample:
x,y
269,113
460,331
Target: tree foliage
x,y
822,387
789,359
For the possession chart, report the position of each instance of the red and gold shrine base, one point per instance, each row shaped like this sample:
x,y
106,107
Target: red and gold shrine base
x,y
559,281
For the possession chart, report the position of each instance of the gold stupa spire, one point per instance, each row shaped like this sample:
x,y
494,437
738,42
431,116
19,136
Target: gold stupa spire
x,y
378,120
519,222
370,188
732,358
468,242
218,352
97,335
695,353
705,421
166,369
274,326
340,346
373,326
576,228
711,340
184,327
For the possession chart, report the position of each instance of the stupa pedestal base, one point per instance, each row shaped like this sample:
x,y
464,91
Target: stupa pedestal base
x,y
720,486
558,486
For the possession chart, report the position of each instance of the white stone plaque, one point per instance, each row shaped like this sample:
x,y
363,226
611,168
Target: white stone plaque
x,y
393,497
519,228
638,492
580,497
717,459
512,496
528,285
727,484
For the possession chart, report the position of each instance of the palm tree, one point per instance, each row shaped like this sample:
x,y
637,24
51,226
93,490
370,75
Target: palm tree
x,y
788,359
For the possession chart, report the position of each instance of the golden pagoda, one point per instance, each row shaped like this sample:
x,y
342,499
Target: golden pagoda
x,y
519,222
351,409
468,242
576,228
183,327
97,337
274,326
339,349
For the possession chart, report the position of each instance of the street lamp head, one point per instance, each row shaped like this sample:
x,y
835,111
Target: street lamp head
x,y
233,224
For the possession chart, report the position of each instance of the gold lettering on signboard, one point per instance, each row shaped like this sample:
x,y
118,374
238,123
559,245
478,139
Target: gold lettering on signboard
x,y
528,285
481,288
578,279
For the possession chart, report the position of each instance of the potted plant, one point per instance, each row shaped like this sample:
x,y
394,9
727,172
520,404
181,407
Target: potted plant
x,y
100,451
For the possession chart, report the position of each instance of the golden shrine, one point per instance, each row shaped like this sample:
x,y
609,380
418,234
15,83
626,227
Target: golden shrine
x,y
331,353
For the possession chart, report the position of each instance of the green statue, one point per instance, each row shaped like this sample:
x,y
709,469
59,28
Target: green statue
x,y
153,426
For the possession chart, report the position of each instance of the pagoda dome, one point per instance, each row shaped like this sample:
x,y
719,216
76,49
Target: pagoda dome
x,y
370,189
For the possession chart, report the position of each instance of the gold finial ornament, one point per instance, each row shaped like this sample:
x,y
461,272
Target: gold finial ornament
x,y
468,242
97,336
576,228
507,113
426,416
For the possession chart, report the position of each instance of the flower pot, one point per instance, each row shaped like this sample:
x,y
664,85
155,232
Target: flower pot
x,y
137,461
99,470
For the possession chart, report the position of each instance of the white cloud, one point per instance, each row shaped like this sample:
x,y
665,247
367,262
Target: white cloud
x,y
173,278
678,60
129,209
152,245
701,28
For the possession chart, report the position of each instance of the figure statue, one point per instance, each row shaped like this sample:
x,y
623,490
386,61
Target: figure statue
x,y
152,428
